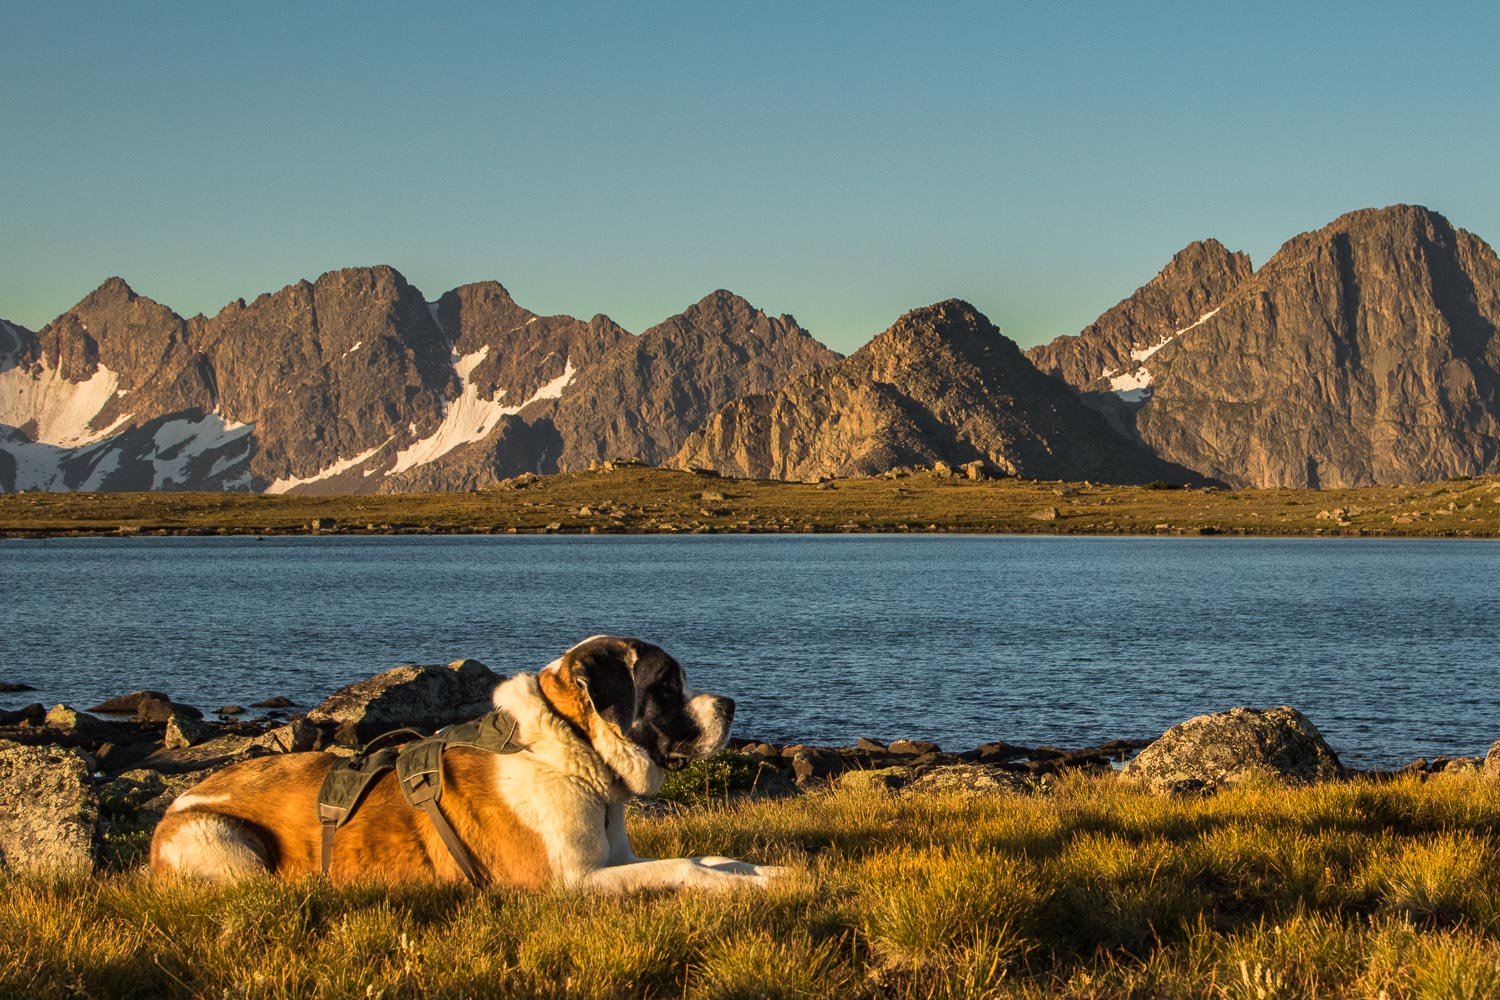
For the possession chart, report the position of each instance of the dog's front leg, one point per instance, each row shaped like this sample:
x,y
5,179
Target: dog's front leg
x,y
680,873
615,836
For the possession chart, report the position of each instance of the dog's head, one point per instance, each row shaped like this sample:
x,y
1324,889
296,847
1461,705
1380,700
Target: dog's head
x,y
631,700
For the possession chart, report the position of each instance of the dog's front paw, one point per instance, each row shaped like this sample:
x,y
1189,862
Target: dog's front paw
x,y
769,872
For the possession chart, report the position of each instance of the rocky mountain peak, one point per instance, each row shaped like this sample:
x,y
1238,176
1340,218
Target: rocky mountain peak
x,y
1200,262
952,321
722,310
941,384
1363,352
111,290
1110,353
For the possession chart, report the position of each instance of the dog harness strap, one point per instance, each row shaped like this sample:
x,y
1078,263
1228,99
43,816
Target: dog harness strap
x,y
344,788
329,816
420,769
450,839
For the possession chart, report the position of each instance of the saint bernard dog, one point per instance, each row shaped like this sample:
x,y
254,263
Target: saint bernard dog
x,y
597,725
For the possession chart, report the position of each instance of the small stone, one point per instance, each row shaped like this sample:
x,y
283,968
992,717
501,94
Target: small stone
x,y
1492,762
70,720
126,704
280,701
813,763
1458,765
184,731
883,779
999,752
1046,514
10,687
913,748
297,736
229,710
34,714
865,743
162,710
969,780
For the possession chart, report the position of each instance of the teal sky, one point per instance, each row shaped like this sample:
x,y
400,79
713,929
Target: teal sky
x,y
840,162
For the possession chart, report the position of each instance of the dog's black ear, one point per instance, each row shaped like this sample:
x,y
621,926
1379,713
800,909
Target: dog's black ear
x,y
604,669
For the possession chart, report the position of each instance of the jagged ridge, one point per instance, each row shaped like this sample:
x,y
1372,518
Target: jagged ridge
x,y
942,384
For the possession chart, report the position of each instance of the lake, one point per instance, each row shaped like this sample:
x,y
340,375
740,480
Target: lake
x,y
1390,647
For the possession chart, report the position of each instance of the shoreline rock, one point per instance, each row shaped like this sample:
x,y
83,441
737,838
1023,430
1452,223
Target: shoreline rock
x,y
1241,745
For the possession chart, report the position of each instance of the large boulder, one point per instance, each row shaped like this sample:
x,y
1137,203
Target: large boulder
x,y
1227,748
421,696
49,810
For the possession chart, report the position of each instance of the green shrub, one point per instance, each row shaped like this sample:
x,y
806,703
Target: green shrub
x,y
715,779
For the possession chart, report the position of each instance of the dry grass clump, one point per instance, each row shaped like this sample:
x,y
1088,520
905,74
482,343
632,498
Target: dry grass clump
x,y
1094,890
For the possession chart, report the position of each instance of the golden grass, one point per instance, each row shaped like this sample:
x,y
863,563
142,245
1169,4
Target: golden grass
x,y
1094,890
637,499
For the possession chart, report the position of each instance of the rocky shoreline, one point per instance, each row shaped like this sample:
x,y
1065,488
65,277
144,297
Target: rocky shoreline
x,y
82,790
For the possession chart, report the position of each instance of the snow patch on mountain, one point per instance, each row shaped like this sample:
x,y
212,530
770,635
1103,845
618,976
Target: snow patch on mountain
x,y
1132,387
38,466
1196,323
344,465
178,443
1142,353
168,453
470,417
61,411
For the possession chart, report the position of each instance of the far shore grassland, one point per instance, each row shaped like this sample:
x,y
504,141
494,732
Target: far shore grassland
x,y
630,499
1082,888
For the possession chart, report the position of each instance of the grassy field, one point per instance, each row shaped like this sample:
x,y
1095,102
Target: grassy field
x,y
1086,889
638,499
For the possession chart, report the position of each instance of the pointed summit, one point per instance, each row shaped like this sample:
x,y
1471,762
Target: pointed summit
x,y
942,384
1192,284
114,287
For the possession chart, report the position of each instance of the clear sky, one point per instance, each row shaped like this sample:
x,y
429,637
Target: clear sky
x,y
840,162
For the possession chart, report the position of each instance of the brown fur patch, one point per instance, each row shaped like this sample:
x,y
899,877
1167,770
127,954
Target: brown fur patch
x,y
567,698
386,839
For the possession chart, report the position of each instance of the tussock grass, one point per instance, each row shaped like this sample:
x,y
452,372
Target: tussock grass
x,y
1093,890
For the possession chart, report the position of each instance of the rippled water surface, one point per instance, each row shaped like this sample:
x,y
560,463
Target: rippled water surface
x,y
1391,647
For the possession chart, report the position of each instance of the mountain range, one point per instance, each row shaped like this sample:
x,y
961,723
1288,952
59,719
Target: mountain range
x,y
1361,353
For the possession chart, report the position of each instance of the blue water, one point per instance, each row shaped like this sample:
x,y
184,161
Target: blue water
x,y
1390,647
